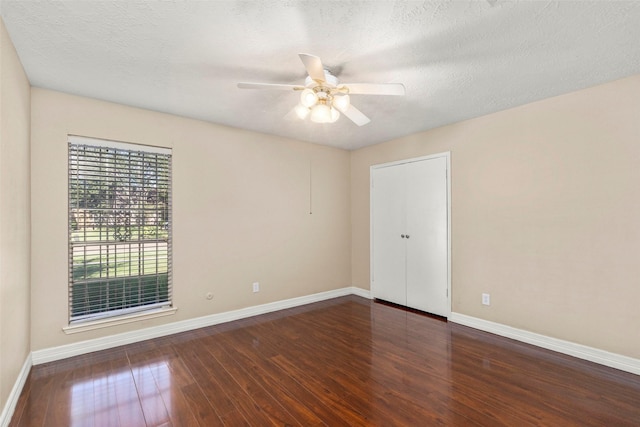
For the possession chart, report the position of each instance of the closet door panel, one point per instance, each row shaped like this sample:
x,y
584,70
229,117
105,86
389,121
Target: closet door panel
x,y
426,225
388,224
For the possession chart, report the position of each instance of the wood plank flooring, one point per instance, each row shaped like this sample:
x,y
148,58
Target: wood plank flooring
x,y
343,362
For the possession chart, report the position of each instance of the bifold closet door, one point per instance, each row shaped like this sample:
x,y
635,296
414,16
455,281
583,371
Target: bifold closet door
x,y
427,228
409,234
388,224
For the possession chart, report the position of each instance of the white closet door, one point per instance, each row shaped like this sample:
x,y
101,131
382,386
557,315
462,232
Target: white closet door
x,y
388,204
426,217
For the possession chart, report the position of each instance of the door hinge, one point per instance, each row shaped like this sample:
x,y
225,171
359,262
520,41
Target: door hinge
x,y
447,293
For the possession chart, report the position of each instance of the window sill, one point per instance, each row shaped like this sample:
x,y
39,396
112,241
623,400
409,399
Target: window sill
x,y
120,320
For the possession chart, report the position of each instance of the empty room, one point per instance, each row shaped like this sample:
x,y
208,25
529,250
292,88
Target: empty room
x,y
319,213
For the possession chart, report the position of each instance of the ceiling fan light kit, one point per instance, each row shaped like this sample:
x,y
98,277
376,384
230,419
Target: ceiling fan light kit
x,y
323,98
319,104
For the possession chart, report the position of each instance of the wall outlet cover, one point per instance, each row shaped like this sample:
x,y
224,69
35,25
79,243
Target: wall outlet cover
x,y
486,299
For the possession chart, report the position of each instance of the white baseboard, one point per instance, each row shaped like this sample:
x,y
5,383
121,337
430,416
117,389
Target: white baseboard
x,y
364,293
83,347
613,360
12,400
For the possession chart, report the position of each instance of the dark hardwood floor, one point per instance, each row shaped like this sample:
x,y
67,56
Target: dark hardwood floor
x,y
342,362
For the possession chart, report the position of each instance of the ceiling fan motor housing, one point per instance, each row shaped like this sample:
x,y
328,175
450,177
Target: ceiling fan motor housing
x,y
329,80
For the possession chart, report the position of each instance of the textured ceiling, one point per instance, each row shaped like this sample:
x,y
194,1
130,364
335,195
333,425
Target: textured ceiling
x,y
457,59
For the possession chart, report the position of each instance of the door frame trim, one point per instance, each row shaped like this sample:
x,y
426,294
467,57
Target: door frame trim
x,y
447,156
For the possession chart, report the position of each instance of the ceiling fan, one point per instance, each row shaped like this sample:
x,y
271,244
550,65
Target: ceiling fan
x,y
323,97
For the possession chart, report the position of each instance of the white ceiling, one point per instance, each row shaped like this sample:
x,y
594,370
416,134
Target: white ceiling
x,y
457,59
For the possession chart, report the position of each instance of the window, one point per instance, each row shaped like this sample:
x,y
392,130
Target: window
x,y
119,228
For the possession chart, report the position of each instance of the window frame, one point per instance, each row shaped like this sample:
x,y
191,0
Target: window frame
x,y
163,293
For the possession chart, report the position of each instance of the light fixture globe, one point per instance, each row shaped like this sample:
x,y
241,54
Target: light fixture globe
x,y
301,111
308,98
321,113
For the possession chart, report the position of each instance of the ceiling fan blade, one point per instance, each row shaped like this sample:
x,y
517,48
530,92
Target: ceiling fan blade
x,y
375,89
269,86
314,66
355,115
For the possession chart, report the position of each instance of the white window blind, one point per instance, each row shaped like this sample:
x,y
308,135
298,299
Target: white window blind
x,y
119,228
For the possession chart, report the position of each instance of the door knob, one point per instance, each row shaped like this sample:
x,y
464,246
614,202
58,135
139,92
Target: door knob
x,y
402,235
407,236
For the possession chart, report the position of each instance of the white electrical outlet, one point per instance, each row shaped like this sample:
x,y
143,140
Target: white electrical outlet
x,y
486,299
256,287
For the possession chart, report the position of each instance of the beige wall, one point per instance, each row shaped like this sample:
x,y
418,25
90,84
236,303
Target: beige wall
x,y
240,209
544,211
545,214
14,216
